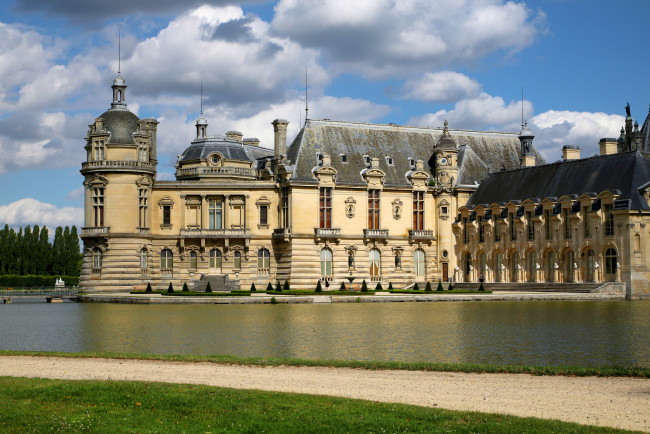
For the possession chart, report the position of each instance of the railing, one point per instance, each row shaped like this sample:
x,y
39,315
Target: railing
x,y
118,164
263,271
375,278
327,232
375,233
215,233
144,231
94,231
216,171
282,232
420,235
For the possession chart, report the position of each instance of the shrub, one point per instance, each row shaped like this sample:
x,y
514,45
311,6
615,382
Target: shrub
x,y
208,287
481,288
428,287
286,286
319,288
390,285
342,287
439,286
171,288
364,286
253,289
273,300
416,287
185,288
269,287
379,287
451,286
148,287
278,287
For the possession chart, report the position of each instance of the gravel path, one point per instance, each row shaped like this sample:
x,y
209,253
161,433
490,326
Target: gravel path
x,y
605,401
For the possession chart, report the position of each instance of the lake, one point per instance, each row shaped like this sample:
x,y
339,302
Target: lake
x,y
588,333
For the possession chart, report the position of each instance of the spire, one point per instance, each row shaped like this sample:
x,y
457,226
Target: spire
x,y
119,84
446,142
201,122
306,98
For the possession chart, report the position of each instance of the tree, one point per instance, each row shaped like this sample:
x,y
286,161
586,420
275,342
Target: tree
x,y
319,288
364,286
252,287
44,252
269,287
73,257
439,288
27,253
185,288
416,287
278,287
451,286
57,252
170,290
18,254
390,286
342,287
208,287
286,285
379,287
148,287
428,287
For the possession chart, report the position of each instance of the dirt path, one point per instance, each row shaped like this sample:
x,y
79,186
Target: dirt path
x,y
612,402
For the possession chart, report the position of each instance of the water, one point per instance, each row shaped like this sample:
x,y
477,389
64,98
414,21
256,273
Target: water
x,y
598,333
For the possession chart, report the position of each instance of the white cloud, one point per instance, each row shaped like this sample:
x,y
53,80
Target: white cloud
x,y
75,194
31,211
382,38
443,86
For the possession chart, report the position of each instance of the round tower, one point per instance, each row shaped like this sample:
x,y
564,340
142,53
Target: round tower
x,y
119,174
526,137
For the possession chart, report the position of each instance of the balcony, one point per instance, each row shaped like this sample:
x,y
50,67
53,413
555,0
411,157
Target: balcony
x,y
144,231
215,233
327,232
195,172
94,231
118,166
421,235
375,234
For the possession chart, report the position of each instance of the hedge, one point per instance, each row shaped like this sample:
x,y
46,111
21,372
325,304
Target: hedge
x,y
14,281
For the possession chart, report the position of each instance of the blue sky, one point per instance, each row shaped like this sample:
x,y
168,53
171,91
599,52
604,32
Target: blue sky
x,y
410,62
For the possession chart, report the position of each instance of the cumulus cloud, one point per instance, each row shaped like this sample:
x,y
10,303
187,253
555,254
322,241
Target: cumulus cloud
x,y
31,211
382,38
442,87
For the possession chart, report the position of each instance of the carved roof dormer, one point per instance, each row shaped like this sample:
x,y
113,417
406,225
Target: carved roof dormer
x,y
325,172
373,175
418,177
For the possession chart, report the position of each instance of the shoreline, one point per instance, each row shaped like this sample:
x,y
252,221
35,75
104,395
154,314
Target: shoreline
x,y
263,298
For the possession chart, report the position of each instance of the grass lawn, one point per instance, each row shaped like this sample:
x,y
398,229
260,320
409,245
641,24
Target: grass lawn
x,y
453,291
109,406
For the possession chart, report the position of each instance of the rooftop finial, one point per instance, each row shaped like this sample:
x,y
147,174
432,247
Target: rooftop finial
x,y
522,107
119,50
306,97
201,96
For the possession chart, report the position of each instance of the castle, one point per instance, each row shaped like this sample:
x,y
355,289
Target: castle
x,y
384,203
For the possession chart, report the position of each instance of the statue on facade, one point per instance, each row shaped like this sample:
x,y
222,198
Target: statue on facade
x,y
627,110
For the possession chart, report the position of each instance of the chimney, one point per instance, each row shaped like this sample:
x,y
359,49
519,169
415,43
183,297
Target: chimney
x,y
280,130
251,141
528,161
234,135
570,152
608,146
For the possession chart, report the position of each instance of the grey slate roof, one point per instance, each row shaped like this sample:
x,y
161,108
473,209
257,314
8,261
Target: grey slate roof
x,y
625,171
121,124
200,149
478,150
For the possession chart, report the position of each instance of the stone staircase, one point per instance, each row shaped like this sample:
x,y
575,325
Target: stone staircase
x,y
531,286
218,283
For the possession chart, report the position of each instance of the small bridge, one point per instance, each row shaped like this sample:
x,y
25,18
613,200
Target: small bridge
x,y
50,295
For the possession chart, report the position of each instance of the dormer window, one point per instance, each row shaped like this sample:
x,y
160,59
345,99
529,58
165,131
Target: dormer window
x,y
366,160
319,157
215,159
389,161
99,150
344,158
412,162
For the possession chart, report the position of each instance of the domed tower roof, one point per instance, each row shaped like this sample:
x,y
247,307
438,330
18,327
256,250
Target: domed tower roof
x,y
446,143
118,120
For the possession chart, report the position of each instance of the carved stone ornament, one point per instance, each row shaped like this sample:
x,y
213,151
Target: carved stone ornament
x,y
444,179
397,209
349,207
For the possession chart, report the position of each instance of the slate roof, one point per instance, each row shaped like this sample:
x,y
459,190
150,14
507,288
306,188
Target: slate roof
x,y
201,149
479,151
121,124
626,171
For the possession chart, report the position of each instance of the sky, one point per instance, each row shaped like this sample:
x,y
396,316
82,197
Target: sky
x,y
408,62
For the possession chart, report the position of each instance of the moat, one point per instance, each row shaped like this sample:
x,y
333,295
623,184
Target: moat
x,y
589,333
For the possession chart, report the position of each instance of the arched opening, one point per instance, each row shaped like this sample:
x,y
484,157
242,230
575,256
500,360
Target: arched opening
x,y
263,261
498,266
375,264
236,260
482,265
514,267
193,260
326,262
143,260
467,267
531,266
419,261
97,260
590,272
166,261
550,266
569,261
611,264
216,261
637,243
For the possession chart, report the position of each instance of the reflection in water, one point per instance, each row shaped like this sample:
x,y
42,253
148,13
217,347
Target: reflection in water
x,y
535,333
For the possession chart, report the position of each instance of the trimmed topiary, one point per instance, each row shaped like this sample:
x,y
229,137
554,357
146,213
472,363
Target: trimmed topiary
x,y
481,288
428,287
171,288
319,288
342,287
185,288
379,287
364,286
416,287
451,286
208,287
278,287
440,288
148,287
253,289
390,285
286,286
269,287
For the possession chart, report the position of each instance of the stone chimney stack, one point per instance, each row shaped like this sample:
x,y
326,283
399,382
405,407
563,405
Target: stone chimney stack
x,y
234,135
526,140
151,127
608,146
570,152
280,130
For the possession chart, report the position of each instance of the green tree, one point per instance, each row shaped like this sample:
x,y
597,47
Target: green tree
x,y
73,257
390,285
439,288
450,287
319,288
170,289
342,287
18,254
4,249
286,286
44,263
364,286
12,245
481,288
278,287
58,267
185,288
148,287
416,287
269,287
428,287
253,289
379,287
208,287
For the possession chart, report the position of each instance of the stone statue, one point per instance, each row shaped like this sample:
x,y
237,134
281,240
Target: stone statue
x,y
350,260
627,110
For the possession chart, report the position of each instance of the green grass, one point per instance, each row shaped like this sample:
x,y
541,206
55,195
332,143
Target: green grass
x,y
309,292
578,371
208,294
38,405
453,291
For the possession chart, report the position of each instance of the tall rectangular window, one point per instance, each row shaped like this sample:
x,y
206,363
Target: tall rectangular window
x,y
142,151
567,225
373,209
143,208
285,207
98,207
513,229
167,215
586,222
99,150
609,220
497,235
325,207
215,214
531,225
481,230
465,231
418,210
547,224
264,215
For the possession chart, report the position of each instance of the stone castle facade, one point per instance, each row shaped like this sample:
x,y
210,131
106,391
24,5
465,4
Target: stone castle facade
x,y
384,203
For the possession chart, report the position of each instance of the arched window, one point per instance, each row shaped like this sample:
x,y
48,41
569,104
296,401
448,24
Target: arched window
x,y
550,266
375,264
532,269
166,261
568,266
637,243
590,265
418,259
468,267
263,261
611,261
498,266
193,257
143,260
237,260
215,260
326,262
514,267
97,260
482,265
